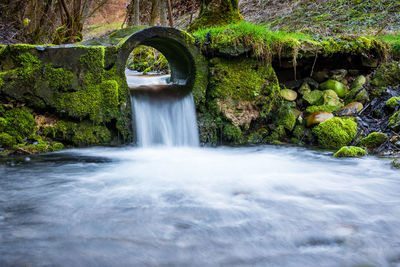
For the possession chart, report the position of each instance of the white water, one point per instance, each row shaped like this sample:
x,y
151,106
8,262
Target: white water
x,y
258,206
164,121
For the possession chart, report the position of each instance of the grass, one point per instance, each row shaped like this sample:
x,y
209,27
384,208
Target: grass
x,y
97,30
266,43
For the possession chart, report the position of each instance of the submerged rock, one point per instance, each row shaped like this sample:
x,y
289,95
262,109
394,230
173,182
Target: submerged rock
x,y
318,117
335,132
350,151
373,140
339,88
289,94
351,109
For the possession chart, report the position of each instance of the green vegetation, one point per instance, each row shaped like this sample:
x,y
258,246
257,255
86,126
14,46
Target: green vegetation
x,y
394,121
373,140
392,102
350,151
327,108
146,59
335,132
265,43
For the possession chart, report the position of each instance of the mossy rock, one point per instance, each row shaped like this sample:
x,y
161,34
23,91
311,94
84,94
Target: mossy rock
x,y
392,103
326,108
339,88
17,122
359,82
7,141
373,140
305,88
243,89
394,121
387,74
335,132
314,97
285,117
350,151
331,98
357,93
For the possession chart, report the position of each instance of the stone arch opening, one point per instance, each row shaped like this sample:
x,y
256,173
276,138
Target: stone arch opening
x,y
186,63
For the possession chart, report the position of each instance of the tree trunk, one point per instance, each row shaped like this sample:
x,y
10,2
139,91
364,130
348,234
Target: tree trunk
x,y
171,21
217,13
163,12
154,12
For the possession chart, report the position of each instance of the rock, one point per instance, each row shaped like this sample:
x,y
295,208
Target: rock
x,y
350,151
369,62
331,98
318,117
392,103
293,84
296,113
359,82
314,97
373,140
326,108
285,117
394,121
288,94
312,83
320,76
335,132
362,95
338,75
396,163
339,88
351,109
305,88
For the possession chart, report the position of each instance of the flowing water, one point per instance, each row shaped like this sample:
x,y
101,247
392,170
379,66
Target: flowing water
x,y
191,206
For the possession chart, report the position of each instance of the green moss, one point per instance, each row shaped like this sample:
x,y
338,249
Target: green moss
x,y
394,121
226,12
299,132
326,108
231,133
350,151
392,102
266,44
373,140
245,80
41,147
7,141
285,117
79,134
388,74
17,122
335,132
58,78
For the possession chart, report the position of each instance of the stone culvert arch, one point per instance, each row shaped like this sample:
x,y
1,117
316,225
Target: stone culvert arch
x,y
187,64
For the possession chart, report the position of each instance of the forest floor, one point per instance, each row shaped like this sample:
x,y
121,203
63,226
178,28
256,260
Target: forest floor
x,y
316,17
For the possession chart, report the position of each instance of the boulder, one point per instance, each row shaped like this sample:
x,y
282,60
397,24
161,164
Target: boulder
x,y
288,94
335,132
314,97
350,151
318,117
373,140
339,88
351,109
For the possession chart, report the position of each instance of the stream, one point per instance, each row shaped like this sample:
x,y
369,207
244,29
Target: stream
x,y
168,202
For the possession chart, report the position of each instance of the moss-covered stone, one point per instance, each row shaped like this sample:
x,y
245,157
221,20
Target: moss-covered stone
x,y
392,103
242,88
335,132
331,98
17,122
217,13
373,140
326,108
350,151
388,74
394,121
314,97
339,88
7,141
396,163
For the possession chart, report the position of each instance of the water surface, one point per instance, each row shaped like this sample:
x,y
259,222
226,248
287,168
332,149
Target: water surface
x,y
249,206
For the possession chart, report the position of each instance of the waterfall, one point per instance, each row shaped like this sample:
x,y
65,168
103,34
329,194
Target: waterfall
x,y
161,118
